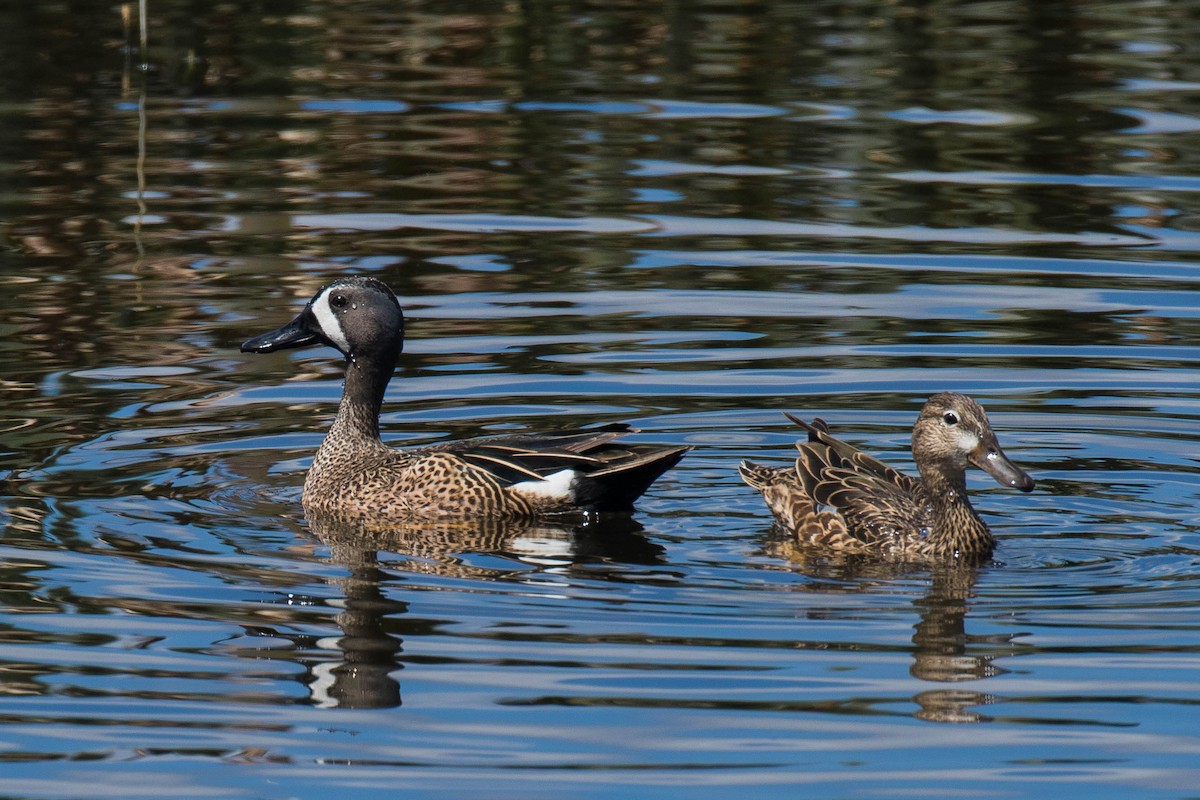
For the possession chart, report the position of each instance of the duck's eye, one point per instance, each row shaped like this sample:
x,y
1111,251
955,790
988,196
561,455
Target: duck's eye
x,y
338,301
950,418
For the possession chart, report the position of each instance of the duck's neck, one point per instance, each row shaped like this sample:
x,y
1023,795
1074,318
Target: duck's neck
x,y
362,398
947,486
956,526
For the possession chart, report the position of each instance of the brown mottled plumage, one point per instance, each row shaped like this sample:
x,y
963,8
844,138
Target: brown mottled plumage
x,y
354,474
838,497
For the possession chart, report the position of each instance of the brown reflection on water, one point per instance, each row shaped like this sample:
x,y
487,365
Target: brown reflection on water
x,y
238,137
943,651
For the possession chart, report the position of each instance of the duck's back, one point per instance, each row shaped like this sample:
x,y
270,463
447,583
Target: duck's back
x,y
838,497
514,476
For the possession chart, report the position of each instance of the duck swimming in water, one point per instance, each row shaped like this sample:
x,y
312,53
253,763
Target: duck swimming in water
x,y
838,497
354,474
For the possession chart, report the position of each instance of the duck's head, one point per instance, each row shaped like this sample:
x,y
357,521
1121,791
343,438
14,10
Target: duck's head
x,y
952,432
358,315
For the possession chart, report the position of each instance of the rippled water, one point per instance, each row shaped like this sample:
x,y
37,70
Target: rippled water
x,y
689,219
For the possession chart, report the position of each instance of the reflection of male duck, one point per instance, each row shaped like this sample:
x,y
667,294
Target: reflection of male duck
x,y
363,675
438,547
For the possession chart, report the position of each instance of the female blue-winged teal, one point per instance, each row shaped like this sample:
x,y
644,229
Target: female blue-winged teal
x,y
356,475
840,498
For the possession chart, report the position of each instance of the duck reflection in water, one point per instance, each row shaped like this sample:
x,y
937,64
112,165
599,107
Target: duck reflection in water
x,y
943,652
372,624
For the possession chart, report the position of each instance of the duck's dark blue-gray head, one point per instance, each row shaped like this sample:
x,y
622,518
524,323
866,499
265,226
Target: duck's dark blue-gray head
x,y
358,315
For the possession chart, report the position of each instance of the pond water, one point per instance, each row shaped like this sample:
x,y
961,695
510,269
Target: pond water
x,y
690,218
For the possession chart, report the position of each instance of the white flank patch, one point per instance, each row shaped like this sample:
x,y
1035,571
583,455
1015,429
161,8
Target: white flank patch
x,y
557,485
331,326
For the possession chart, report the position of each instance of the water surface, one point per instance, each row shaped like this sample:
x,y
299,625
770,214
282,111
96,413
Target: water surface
x,y
689,219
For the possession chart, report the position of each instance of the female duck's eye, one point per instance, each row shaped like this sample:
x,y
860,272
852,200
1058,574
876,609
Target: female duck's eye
x,y
338,301
950,418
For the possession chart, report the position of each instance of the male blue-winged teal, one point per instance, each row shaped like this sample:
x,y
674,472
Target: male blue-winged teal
x,y
838,497
354,474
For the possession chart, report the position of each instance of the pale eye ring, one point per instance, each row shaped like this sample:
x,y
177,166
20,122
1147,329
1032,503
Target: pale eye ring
x,y
950,418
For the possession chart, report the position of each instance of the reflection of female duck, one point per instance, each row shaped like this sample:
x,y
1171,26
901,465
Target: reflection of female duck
x,y
944,654
523,475
942,648
840,498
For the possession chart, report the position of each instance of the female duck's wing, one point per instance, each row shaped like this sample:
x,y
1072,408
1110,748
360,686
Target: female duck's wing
x,y
794,509
877,502
823,451
836,454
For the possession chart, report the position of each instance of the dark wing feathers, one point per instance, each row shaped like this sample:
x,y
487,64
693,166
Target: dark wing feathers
x,y
875,508
815,428
837,453
511,465
628,471
507,470
793,507
617,459
613,474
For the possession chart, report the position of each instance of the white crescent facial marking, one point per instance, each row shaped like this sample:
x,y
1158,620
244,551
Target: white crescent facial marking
x,y
557,485
328,321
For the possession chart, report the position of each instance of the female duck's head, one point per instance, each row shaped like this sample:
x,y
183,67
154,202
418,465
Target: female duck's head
x,y
953,432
